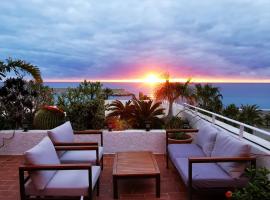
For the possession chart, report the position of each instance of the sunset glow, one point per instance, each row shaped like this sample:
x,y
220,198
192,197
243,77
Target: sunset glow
x,y
151,79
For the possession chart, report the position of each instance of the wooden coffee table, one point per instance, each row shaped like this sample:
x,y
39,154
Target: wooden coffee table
x,y
135,165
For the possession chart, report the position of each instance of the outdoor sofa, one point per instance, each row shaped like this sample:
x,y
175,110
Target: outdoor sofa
x,y
216,161
49,177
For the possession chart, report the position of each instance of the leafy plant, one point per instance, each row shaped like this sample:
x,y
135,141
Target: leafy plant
x,y
19,67
174,123
147,112
231,111
19,100
117,124
107,92
171,92
258,187
208,97
84,106
122,110
250,114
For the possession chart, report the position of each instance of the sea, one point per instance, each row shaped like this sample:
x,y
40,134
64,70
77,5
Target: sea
x,y
236,93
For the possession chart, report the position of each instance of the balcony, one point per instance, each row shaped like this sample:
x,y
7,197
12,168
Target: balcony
x,y
172,186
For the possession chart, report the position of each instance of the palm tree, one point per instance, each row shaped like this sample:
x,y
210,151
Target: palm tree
x,y
118,109
231,111
171,92
145,112
208,97
251,115
19,66
267,120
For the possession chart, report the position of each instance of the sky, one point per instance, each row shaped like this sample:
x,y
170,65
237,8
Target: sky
x,y
127,39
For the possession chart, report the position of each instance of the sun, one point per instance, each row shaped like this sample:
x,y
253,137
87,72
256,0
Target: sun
x,y
152,79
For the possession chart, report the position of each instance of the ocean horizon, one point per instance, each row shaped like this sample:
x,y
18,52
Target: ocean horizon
x,y
237,93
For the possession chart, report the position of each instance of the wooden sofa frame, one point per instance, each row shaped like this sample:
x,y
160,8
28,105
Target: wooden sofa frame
x,y
85,144
29,168
192,160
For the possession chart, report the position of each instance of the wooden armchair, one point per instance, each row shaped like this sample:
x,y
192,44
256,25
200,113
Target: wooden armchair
x,y
64,136
47,177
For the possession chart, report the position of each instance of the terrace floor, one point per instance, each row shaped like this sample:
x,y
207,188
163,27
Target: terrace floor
x,y
172,188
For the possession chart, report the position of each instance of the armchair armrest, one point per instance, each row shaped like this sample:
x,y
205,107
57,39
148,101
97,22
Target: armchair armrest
x,y
88,132
91,132
55,167
182,130
220,159
76,144
75,148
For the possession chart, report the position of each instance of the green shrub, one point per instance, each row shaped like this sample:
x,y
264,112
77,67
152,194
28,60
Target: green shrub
x,y
48,118
84,106
258,187
174,123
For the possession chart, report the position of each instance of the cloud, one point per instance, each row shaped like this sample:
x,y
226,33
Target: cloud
x,y
97,39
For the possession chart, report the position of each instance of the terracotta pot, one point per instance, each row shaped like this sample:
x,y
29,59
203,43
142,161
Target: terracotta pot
x,y
187,140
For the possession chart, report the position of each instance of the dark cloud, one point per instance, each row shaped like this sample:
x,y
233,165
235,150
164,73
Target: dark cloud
x,y
100,39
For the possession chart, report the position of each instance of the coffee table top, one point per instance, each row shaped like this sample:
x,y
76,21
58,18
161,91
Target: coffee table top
x,y
135,164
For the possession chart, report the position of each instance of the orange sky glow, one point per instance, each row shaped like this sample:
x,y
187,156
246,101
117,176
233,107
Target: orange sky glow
x,y
142,80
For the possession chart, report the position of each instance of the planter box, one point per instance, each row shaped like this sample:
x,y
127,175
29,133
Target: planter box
x,y
115,141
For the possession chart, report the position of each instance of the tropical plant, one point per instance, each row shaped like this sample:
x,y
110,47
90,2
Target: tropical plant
x,y
48,117
257,188
15,102
84,106
208,97
121,110
251,115
174,123
171,91
19,100
19,67
143,96
147,112
267,120
231,111
107,92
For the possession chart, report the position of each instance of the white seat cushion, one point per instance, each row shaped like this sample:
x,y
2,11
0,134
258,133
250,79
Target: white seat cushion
x,y
67,183
81,156
62,133
43,153
228,146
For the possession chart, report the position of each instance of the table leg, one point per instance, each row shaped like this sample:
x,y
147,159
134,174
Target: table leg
x,y
115,188
158,186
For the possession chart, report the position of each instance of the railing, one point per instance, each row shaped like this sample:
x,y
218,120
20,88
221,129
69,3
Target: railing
x,y
241,129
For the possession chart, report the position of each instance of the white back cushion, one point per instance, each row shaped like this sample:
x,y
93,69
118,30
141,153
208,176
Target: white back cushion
x,y
62,133
41,154
206,138
228,146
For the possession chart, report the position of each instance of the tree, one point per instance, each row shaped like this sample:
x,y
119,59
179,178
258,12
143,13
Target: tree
x,y
143,96
267,120
19,67
251,115
84,106
171,92
231,111
107,92
208,97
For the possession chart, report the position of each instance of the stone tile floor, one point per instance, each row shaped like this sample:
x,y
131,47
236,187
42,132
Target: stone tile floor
x,y
172,188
